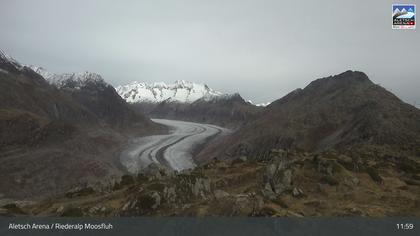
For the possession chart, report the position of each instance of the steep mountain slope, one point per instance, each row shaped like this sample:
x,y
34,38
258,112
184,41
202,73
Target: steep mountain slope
x,y
342,112
97,96
181,91
23,89
52,139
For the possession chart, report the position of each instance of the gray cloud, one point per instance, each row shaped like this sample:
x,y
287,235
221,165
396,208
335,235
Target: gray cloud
x,y
261,48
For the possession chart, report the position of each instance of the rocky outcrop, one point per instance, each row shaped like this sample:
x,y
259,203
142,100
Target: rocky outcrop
x,y
161,187
290,184
278,174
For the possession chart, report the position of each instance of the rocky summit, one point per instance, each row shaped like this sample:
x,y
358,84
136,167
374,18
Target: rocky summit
x,y
342,112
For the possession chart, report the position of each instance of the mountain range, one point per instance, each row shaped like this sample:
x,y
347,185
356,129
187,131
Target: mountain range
x,y
181,91
328,149
76,80
188,101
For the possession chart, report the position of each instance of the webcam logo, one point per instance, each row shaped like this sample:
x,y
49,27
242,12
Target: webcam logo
x,y
403,16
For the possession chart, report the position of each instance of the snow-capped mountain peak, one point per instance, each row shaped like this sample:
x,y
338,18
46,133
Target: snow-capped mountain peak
x,y
180,91
73,80
43,72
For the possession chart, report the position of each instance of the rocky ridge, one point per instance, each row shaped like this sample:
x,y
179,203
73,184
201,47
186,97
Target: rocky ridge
x,y
345,111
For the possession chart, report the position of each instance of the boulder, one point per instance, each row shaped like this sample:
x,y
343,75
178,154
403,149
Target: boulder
x,y
219,194
191,185
277,178
59,210
297,192
145,203
169,194
201,188
247,204
243,158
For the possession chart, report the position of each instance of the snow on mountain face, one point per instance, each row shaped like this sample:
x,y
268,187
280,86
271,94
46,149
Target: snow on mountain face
x,y
180,91
73,80
44,73
263,104
6,59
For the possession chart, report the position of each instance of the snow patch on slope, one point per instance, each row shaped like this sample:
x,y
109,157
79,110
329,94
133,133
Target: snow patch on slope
x,y
263,104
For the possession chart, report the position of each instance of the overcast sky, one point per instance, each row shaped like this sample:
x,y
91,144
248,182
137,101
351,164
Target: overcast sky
x,y
262,49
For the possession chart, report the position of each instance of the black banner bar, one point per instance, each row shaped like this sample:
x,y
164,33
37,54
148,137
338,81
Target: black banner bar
x,y
180,226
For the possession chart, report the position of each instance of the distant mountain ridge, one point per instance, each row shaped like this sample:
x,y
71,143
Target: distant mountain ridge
x,y
181,91
229,110
91,90
182,100
75,80
189,101
25,90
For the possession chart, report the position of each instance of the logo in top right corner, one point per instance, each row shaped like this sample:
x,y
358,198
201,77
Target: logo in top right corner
x,y
403,16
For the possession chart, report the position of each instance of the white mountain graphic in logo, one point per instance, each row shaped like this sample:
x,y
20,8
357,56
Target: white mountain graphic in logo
x,y
403,13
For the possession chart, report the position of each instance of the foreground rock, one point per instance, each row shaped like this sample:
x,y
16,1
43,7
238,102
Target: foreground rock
x,y
288,184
